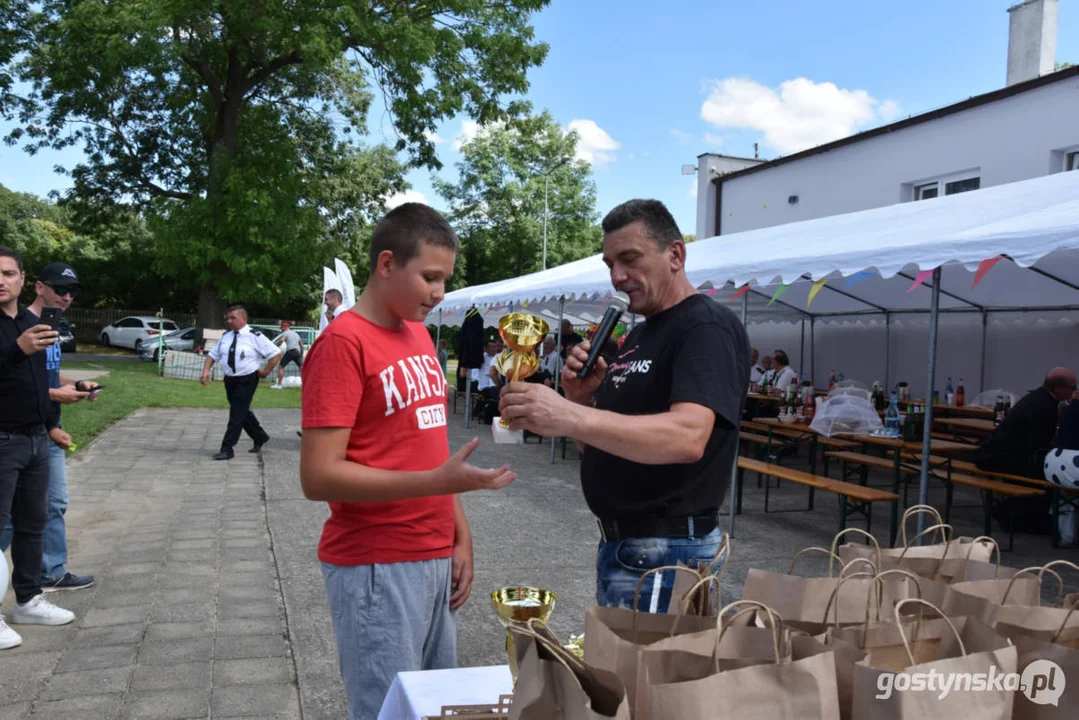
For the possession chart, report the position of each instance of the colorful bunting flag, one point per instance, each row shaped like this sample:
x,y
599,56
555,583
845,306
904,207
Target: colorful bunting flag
x,y
858,276
741,291
712,292
984,268
779,291
816,289
920,278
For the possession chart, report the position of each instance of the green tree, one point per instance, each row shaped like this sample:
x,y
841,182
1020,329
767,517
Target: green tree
x,y
497,202
689,238
228,122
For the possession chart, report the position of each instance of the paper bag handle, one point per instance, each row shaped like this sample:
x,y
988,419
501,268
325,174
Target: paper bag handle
x,y
878,586
903,635
776,622
832,557
683,606
970,549
947,543
855,561
912,511
835,592
723,553
1057,634
1041,571
543,635
841,533
640,584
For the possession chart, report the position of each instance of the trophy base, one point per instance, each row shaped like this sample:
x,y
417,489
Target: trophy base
x,y
505,436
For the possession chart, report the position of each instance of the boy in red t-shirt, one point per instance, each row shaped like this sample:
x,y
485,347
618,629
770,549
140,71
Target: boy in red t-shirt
x,y
396,550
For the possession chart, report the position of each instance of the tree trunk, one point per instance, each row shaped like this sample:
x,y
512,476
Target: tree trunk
x,y
211,315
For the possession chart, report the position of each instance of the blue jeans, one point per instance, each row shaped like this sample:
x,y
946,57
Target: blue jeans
x,y
54,556
24,479
388,619
620,564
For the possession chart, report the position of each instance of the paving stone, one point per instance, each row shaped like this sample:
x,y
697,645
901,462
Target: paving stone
x,y
248,609
255,701
138,568
232,647
183,611
97,657
77,684
109,635
14,710
179,630
167,704
171,677
87,707
170,652
249,626
22,672
121,598
181,595
124,615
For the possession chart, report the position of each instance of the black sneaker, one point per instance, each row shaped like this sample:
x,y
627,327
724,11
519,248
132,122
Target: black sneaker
x,y
69,582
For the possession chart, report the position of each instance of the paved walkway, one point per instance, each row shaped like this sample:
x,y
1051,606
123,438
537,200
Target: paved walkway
x,y
210,602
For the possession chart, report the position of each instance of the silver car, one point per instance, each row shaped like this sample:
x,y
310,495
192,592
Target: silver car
x,y
131,331
182,339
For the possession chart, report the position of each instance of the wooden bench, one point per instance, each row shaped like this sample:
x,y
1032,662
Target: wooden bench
x,y
852,497
991,489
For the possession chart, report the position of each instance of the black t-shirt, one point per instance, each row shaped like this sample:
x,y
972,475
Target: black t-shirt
x,y
24,381
697,352
1029,426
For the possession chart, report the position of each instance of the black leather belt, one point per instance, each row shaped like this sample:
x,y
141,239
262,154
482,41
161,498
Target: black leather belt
x,y
694,526
30,429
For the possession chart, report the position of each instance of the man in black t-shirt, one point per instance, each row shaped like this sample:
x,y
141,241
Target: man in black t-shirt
x,y
659,440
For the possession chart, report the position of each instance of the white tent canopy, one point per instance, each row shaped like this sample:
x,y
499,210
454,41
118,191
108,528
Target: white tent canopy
x,y
1033,224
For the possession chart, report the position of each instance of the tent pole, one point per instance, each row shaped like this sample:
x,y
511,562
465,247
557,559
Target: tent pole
x,y
733,494
985,342
812,347
558,349
802,347
438,330
927,432
887,350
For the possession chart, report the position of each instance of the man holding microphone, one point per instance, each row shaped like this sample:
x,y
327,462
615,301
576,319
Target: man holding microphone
x,y
658,429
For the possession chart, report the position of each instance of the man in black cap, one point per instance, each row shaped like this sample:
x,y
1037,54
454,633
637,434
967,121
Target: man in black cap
x,y
56,286
26,415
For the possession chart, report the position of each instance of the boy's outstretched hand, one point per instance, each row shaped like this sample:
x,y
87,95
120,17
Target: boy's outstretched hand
x,y
461,476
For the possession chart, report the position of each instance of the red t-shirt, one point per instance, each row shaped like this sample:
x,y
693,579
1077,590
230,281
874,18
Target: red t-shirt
x,y
388,387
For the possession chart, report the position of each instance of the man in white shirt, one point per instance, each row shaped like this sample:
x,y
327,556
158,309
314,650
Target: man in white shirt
x,y
756,372
486,375
782,375
241,353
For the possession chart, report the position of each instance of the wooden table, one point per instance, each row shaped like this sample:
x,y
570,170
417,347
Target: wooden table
x,y
762,398
977,425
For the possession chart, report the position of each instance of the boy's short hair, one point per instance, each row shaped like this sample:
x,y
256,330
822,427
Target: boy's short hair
x,y
5,251
404,227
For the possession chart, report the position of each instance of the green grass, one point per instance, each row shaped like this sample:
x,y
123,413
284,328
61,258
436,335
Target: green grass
x,y
131,386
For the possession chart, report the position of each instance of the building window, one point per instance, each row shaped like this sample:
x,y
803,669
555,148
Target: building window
x,y
1071,161
946,186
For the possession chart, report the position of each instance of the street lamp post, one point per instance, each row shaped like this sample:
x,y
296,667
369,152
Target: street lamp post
x,y
546,182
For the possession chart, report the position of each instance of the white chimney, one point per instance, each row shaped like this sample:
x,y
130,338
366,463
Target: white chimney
x,y
1032,39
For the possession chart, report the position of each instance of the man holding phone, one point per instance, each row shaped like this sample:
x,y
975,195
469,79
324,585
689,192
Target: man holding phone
x,y
27,422
55,289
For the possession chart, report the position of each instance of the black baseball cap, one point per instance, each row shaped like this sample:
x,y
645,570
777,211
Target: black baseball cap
x,y
60,274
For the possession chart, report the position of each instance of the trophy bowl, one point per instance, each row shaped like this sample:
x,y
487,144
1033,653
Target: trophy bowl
x,y
516,606
522,332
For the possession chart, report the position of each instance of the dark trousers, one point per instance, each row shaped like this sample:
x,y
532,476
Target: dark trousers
x,y
240,390
24,497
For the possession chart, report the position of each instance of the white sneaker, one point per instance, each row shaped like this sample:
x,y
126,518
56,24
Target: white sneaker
x,y
39,611
275,386
8,637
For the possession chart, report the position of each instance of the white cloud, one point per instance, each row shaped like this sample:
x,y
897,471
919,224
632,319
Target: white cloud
x,y
799,114
693,189
469,130
434,137
405,197
683,137
594,145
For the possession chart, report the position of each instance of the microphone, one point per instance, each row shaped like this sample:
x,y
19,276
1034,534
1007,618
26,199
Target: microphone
x,y
617,306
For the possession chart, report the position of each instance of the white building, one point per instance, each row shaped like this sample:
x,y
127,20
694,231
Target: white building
x,y
1026,129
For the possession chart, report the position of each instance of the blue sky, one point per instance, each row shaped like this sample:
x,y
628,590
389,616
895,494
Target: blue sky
x,y
651,85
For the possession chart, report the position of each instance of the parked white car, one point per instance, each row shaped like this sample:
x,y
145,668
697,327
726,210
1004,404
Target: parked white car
x,y
130,332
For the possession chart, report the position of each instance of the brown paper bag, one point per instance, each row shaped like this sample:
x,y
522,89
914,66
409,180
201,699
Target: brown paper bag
x,y
906,664
554,683
614,636
800,685
982,599
701,601
943,561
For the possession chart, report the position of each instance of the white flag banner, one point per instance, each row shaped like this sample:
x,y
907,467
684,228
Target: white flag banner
x,y
344,277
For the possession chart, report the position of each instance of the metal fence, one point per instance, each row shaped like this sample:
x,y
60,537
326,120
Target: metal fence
x,y
188,366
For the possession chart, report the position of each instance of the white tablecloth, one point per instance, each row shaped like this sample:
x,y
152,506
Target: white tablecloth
x,y
414,695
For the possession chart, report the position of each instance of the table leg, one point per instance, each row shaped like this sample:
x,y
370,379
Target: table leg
x,y
896,478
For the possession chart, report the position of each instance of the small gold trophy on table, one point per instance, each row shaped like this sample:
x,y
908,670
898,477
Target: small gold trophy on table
x,y
516,606
523,334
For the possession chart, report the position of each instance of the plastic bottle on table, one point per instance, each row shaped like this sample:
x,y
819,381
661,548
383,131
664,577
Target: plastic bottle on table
x,y
891,416
960,394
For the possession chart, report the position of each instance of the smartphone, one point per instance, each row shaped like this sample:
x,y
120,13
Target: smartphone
x,y
95,391
51,316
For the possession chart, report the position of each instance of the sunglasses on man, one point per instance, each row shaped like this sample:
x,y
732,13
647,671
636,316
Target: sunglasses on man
x,y
61,290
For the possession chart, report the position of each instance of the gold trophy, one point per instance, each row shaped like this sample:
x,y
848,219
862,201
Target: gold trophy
x,y
523,334
516,606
